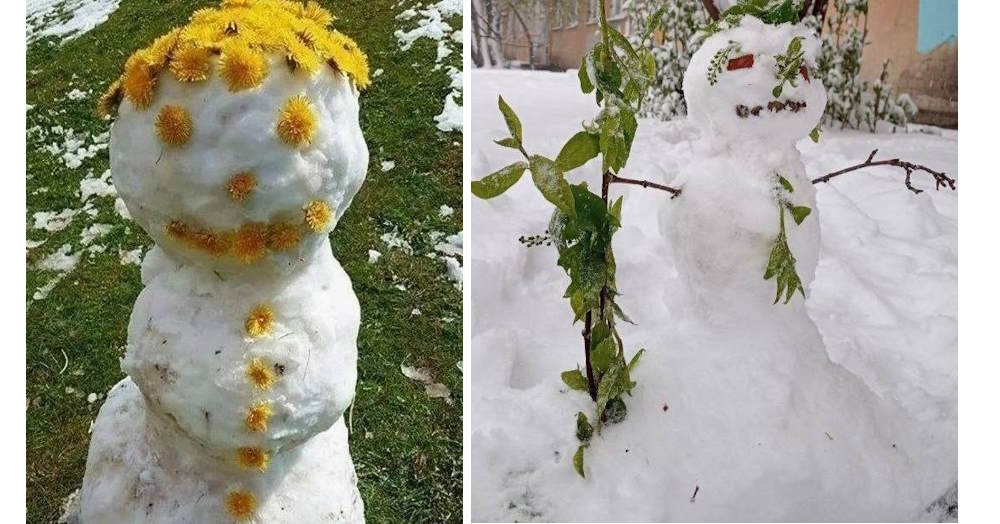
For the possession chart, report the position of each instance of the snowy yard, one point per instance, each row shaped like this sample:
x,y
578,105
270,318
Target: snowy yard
x,y
400,242
884,300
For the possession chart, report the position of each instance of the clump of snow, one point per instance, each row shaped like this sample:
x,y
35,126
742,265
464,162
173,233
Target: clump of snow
x,y
93,232
445,211
65,18
393,239
373,256
62,260
747,413
74,148
76,94
387,165
130,257
53,221
101,186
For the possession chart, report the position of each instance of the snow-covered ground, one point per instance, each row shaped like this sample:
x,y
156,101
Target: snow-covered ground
x,y
884,300
65,18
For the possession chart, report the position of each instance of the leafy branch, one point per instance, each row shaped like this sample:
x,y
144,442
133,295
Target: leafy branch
x,y
940,179
583,222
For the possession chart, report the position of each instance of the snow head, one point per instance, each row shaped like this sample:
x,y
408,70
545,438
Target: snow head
x,y
730,85
237,143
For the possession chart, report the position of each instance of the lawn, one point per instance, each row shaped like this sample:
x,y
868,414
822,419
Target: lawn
x,y
407,447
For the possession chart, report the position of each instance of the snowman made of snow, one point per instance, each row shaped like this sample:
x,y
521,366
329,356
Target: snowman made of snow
x,y
750,94
744,233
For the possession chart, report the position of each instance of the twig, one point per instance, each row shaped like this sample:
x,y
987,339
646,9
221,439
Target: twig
x,y
695,493
65,361
713,11
591,383
615,179
940,179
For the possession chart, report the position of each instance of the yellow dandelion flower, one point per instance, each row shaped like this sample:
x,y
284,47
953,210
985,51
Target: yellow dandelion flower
x,y
241,504
158,53
257,417
296,121
242,67
260,374
260,321
139,81
214,244
178,230
253,458
313,11
250,243
173,125
318,215
191,64
241,185
283,236
108,104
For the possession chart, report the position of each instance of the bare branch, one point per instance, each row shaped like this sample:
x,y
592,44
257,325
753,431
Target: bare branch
x,y
615,179
713,11
940,179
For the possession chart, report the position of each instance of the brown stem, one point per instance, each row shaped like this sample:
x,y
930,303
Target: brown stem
x,y
713,12
591,383
940,179
615,179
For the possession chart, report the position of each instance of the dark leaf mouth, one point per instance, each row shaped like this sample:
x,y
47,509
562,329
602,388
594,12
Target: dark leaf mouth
x,y
774,106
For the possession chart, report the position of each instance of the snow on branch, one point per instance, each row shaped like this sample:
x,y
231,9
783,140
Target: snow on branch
x,y
940,179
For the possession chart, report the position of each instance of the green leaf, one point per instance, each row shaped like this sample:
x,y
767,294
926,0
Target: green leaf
x,y
635,360
575,380
781,266
799,213
654,21
612,143
786,184
583,428
776,91
585,84
612,385
814,135
552,184
578,150
615,411
496,183
616,211
513,122
508,142
578,461
603,356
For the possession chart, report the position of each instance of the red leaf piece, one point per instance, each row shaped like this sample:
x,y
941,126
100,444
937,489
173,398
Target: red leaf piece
x,y
740,62
804,72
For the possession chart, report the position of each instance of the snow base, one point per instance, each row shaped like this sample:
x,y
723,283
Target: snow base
x,y
139,471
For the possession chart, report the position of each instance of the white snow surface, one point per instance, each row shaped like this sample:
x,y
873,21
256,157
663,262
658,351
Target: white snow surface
x,y
234,132
430,23
139,470
65,18
770,416
188,350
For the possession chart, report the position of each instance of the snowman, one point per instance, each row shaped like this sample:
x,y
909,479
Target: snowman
x,y
745,237
237,148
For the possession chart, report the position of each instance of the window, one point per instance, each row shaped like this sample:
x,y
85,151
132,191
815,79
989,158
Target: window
x,y
558,15
617,9
592,9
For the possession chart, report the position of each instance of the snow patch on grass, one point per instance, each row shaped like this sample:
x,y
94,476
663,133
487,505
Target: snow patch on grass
x,y
65,18
431,24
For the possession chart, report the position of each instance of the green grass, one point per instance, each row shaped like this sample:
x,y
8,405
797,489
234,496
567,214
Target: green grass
x,y
407,447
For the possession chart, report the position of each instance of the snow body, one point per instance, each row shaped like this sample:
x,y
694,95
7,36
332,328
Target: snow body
x,y
141,469
237,148
726,404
